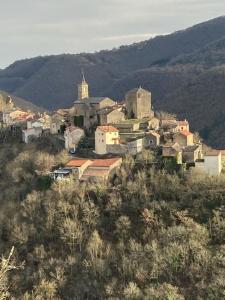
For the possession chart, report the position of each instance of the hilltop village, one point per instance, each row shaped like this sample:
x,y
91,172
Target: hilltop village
x,y
98,132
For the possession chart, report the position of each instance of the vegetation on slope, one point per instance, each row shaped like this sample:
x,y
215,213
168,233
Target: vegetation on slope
x,y
149,234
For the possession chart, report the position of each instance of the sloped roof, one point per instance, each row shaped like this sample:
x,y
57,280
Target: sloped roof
x,y
77,162
107,128
212,152
105,162
92,100
153,133
186,133
72,128
191,148
183,123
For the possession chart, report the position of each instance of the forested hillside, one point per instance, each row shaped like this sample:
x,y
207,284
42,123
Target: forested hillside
x,y
148,234
21,103
177,68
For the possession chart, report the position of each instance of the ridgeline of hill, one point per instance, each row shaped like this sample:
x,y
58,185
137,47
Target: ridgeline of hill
x,y
21,103
181,69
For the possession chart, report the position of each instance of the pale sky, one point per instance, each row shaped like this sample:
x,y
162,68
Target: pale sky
x,y
30,28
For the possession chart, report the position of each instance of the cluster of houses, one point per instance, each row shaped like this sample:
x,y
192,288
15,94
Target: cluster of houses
x,y
117,129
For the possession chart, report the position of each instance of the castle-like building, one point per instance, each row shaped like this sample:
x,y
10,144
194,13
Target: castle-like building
x,y
91,111
138,104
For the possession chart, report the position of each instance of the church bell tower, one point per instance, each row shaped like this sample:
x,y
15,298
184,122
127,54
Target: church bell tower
x,y
83,89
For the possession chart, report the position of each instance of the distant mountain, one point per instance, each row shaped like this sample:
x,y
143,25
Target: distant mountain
x,y
21,103
167,65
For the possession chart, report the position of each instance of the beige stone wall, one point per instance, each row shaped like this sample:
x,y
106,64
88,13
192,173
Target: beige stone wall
x,y
138,105
112,118
183,140
106,103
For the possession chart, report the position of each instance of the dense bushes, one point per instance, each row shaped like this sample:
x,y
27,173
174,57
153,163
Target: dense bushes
x,y
147,235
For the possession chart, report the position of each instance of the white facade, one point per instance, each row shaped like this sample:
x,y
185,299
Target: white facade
x,y
31,132
105,135
212,164
72,136
7,119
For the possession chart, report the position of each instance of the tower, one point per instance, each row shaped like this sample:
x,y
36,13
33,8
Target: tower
x,y
138,104
83,89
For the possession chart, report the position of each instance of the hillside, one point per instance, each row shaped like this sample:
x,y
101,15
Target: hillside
x,y
202,101
21,103
52,80
148,234
166,65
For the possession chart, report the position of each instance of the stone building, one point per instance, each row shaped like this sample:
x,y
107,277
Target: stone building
x,y
152,139
138,104
57,124
211,164
172,151
73,136
105,135
192,153
184,138
84,112
110,115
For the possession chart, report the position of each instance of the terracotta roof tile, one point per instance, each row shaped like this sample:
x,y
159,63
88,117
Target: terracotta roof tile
x,y
107,128
105,162
77,162
186,133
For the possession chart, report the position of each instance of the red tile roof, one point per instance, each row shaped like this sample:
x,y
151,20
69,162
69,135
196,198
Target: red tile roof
x,y
186,133
105,162
77,162
107,128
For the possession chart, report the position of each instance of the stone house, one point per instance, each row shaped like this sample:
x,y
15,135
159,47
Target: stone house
x,y
192,153
184,138
138,104
153,124
105,135
84,112
57,124
128,126
183,125
101,169
168,123
152,139
172,151
28,133
72,136
135,146
110,115
78,166
211,164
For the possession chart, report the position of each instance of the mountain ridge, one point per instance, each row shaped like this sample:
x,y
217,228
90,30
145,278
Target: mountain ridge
x,y
166,65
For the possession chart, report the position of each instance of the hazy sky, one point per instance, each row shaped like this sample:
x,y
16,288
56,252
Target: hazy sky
x,y
38,27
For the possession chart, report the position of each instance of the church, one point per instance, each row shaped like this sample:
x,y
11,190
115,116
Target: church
x,y
85,110
88,112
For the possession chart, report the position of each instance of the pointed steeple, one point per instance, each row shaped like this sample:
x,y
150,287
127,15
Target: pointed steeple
x,y
83,77
83,88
